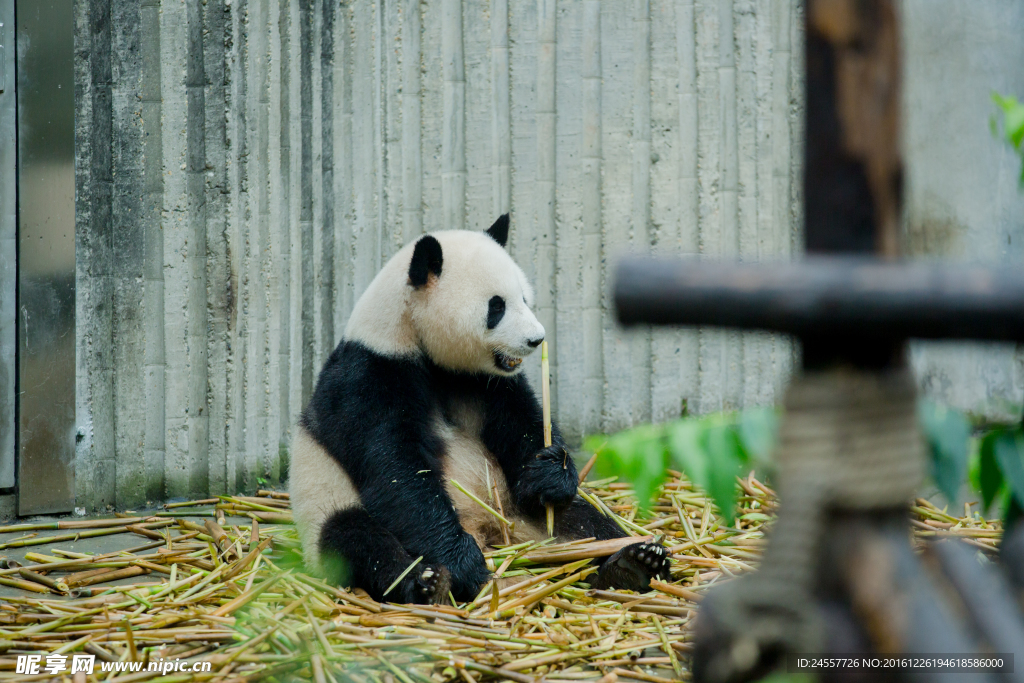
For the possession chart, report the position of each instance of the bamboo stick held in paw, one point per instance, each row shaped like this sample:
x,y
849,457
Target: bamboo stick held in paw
x,y
545,397
545,392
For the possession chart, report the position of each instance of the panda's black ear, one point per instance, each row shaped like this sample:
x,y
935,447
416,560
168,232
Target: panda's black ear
x,y
426,259
499,231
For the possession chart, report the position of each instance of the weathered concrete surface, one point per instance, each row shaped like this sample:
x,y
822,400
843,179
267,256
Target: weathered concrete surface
x,y
245,166
964,200
8,251
266,156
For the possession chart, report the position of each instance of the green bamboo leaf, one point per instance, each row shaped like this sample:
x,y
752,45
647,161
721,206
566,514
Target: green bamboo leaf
x,y
619,456
974,465
989,476
593,443
686,450
1013,124
1002,102
948,434
654,457
758,431
723,449
1008,448
755,517
637,455
1013,117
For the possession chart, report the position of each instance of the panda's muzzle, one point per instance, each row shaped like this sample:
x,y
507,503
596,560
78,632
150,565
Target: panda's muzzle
x,y
506,363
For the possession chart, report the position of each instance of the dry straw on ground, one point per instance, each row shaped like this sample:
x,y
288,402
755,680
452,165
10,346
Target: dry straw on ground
x,y
231,591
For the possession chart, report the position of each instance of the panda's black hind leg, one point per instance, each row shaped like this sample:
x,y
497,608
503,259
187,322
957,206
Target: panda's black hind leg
x,y
632,567
356,550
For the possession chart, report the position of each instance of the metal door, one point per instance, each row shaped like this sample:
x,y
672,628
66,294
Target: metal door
x,y
46,256
8,245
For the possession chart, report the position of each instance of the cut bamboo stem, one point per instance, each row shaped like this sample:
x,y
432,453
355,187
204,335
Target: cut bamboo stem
x,y
220,537
589,466
403,574
501,518
75,524
675,590
42,540
247,597
545,392
58,586
587,550
105,576
545,395
192,503
508,609
24,585
505,531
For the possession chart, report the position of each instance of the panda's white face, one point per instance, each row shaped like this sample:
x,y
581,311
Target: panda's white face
x,y
474,315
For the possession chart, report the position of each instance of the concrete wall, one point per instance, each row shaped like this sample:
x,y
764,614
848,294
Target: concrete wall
x,y
964,199
246,166
8,250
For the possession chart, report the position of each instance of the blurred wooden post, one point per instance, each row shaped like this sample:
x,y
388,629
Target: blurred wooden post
x,y
853,171
839,575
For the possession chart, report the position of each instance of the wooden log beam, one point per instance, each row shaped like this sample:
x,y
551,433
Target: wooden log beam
x,y
853,173
827,298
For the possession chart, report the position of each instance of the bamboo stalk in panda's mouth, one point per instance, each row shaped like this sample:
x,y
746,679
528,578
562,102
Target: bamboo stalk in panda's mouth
x,y
545,397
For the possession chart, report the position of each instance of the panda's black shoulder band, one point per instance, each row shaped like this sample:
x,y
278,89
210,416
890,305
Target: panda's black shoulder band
x,y
426,259
499,231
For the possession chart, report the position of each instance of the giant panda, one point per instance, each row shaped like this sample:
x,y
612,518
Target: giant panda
x,y
426,387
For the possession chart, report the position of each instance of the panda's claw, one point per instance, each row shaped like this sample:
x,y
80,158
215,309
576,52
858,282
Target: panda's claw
x,y
633,567
425,587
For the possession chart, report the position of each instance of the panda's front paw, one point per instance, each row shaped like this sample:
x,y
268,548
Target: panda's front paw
x,y
633,567
426,584
549,478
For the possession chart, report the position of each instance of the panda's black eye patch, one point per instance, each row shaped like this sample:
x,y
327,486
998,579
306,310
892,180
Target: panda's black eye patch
x,y
495,311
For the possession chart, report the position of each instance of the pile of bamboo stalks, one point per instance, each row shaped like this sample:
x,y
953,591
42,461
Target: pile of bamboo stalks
x,y
231,591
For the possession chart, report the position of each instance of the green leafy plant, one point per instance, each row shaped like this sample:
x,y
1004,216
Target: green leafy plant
x,y
1001,470
991,461
948,435
1013,124
711,451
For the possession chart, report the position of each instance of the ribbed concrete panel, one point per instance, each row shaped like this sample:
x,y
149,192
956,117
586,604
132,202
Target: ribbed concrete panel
x,y
269,155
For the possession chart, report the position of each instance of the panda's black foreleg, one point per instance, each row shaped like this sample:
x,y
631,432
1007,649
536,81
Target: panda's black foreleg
x,y
513,431
630,568
356,550
539,476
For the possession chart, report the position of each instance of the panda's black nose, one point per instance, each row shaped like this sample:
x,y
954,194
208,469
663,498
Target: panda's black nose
x,y
534,343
